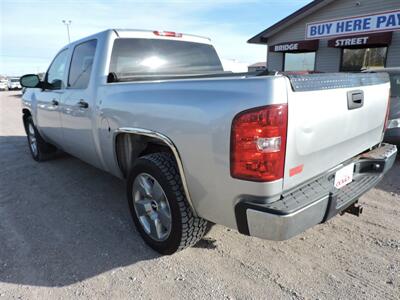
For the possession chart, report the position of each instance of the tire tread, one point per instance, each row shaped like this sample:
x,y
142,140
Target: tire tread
x,y
45,150
193,228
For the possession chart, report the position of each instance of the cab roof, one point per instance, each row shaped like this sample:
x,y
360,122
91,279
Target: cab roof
x,y
160,34
149,34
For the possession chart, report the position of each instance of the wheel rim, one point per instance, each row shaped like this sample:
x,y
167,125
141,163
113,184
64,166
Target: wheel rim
x,y
152,207
32,139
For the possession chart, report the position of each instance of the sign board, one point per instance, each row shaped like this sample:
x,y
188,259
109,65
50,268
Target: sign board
x,y
298,46
359,41
377,22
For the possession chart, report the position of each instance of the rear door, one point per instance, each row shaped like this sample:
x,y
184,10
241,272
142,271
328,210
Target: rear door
x,y
332,118
48,100
78,104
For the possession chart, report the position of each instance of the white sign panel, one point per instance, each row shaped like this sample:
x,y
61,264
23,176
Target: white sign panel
x,y
378,22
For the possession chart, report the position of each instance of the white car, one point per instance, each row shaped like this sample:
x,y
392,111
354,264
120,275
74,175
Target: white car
x,y
3,84
13,84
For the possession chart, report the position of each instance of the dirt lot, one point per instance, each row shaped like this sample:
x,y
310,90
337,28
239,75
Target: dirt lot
x,y
65,232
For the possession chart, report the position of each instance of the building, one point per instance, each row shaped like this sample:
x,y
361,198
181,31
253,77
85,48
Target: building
x,y
260,66
335,35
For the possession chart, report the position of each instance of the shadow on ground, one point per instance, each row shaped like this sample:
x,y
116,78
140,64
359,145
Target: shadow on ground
x,y
61,221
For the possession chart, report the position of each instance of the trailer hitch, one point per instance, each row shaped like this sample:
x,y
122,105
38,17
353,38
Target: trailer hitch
x,y
354,209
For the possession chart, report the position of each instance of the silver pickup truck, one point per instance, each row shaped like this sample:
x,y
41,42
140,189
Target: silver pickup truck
x,y
268,155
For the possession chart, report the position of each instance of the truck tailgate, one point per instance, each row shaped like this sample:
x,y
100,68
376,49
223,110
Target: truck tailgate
x,y
332,118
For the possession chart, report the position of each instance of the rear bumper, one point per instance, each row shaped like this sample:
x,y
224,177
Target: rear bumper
x,y
314,202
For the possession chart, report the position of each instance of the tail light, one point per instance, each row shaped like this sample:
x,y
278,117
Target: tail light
x,y
258,143
167,33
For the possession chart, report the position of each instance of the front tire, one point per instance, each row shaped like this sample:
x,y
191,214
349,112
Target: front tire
x,y
40,149
159,207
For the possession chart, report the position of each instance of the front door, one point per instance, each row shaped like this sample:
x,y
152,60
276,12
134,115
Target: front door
x,y
78,105
48,100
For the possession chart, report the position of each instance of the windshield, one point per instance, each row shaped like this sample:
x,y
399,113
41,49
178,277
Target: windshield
x,y
395,84
153,57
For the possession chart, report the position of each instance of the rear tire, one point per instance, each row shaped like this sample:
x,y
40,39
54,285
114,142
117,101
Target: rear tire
x,y
40,149
159,207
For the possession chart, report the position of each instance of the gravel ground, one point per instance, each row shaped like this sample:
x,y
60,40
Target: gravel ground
x,y
65,232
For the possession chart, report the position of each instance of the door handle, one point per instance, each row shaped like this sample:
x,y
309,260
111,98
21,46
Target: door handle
x,y
355,99
54,102
83,104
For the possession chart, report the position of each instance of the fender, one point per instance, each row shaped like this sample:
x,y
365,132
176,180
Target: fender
x,y
170,144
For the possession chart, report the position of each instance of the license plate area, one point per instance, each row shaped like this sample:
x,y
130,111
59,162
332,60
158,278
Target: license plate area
x,y
344,176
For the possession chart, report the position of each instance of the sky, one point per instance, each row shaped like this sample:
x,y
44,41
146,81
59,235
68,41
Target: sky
x,y
32,32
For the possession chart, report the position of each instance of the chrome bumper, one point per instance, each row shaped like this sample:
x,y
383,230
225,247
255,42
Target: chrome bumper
x,y
314,202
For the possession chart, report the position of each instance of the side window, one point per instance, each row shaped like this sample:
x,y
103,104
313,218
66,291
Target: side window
x,y
81,65
55,74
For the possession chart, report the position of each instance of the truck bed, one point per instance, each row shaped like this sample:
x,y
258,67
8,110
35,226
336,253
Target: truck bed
x,y
196,115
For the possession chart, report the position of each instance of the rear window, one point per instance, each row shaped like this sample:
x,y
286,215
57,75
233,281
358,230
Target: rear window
x,y
395,84
15,80
153,57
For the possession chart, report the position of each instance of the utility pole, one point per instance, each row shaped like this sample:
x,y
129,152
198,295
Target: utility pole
x,y
67,23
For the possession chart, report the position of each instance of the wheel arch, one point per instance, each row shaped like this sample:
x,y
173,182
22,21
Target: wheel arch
x,y
131,143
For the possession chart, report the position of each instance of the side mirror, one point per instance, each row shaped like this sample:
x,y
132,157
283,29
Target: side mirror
x,y
55,85
30,81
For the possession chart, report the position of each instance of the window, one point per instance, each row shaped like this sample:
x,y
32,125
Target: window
x,y
81,65
149,57
354,60
55,74
304,61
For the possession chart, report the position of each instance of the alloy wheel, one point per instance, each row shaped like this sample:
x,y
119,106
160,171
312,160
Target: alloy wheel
x,y
152,207
32,139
